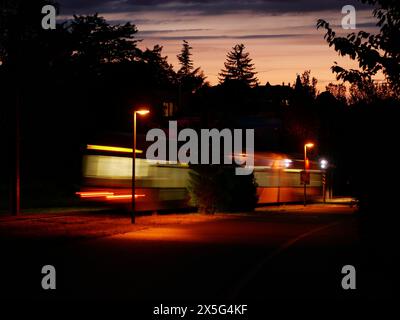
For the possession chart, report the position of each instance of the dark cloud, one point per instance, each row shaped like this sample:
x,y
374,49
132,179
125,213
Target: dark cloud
x,y
205,7
171,31
220,37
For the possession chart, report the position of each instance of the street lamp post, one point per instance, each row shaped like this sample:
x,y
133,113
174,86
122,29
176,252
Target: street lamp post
x,y
278,200
133,209
307,145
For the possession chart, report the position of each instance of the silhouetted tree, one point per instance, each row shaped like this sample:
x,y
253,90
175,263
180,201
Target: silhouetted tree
x,y
369,92
239,67
301,122
374,52
94,41
189,78
338,91
162,71
310,84
185,60
305,85
19,23
372,121
298,86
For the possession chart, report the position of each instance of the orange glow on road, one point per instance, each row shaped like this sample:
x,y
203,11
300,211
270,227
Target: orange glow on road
x,y
110,148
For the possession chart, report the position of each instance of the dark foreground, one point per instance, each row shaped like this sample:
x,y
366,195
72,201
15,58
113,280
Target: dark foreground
x,y
275,253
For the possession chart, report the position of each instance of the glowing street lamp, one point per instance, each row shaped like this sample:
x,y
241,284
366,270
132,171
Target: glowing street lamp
x,y
141,112
307,145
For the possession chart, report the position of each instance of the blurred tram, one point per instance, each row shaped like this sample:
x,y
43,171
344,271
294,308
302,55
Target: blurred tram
x,y
107,177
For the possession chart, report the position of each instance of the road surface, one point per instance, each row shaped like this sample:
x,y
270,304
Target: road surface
x,y
290,252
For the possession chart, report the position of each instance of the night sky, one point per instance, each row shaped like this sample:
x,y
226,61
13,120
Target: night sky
x,y
280,35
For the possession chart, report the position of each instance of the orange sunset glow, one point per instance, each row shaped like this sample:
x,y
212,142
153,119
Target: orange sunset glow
x,y
281,36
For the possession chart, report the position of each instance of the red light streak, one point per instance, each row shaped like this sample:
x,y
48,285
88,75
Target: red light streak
x,y
108,195
124,196
94,194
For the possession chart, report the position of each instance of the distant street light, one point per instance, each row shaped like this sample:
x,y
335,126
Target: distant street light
x,y
141,112
287,163
323,164
307,145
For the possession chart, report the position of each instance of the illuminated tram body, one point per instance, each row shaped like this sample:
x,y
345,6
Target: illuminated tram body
x,y
107,174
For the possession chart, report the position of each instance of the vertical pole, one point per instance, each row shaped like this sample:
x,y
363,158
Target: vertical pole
x,y
18,162
133,170
15,175
278,200
305,174
324,186
17,89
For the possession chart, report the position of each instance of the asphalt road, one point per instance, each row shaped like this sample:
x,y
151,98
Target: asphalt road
x,y
286,253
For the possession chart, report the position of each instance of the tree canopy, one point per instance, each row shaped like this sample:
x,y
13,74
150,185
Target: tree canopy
x,y
374,52
94,40
189,78
239,67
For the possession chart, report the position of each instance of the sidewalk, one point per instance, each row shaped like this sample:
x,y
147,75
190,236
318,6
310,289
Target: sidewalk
x,y
339,200
49,212
94,222
88,225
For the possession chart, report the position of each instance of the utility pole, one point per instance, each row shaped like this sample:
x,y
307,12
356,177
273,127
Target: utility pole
x,y
15,194
306,176
133,209
141,112
14,69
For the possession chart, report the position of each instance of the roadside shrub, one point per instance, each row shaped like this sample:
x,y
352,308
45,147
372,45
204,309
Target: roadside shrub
x,y
215,188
